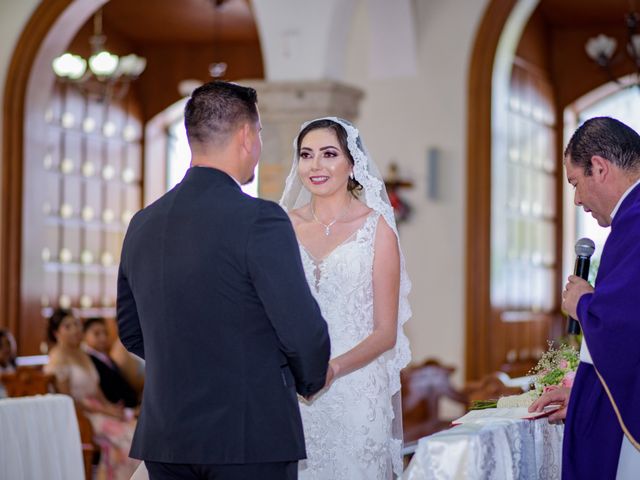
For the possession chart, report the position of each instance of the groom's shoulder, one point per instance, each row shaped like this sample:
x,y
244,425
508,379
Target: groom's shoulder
x,y
268,209
262,213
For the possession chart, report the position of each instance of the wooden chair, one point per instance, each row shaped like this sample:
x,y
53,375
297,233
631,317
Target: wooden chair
x,y
31,380
422,388
27,381
491,386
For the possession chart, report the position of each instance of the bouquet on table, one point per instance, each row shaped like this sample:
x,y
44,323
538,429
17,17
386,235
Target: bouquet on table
x,y
556,368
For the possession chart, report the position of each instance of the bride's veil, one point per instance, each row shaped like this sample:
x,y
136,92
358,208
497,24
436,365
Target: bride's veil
x,y
374,195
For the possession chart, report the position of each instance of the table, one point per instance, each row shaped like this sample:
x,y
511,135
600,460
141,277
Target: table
x,y
39,439
497,449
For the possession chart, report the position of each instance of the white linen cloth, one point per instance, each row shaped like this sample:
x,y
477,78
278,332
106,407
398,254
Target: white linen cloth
x,y
39,438
497,449
629,461
585,355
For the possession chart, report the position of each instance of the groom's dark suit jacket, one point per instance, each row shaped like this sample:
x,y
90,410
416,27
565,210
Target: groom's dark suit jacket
x,y
212,294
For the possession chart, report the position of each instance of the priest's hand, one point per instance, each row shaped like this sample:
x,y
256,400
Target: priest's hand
x,y
575,288
559,396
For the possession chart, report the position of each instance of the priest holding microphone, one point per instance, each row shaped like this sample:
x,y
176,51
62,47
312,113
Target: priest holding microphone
x,y
602,410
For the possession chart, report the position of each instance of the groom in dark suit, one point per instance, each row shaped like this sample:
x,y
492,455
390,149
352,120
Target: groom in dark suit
x,y
212,294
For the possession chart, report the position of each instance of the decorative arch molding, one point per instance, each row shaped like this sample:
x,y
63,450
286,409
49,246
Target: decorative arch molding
x,y
478,241
601,92
489,70
28,84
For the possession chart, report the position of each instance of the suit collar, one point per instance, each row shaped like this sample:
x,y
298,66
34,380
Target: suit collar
x,y
211,174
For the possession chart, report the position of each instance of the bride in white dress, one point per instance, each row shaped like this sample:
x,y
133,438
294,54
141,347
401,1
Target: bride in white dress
x,y
349,247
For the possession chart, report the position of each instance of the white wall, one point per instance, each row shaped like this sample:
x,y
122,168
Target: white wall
x,y
13,17
302,40
400,119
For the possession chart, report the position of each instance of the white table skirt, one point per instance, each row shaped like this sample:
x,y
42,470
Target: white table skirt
x,y
500,450
39,439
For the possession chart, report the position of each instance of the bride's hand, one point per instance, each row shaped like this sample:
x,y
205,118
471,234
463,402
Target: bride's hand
x,y
332,374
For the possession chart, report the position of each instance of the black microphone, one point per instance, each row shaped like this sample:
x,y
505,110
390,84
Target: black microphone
x,y
584,249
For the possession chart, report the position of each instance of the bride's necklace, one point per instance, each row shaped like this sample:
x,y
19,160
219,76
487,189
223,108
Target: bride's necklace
x,y
327,226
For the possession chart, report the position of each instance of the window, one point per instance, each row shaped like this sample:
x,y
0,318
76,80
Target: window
x,y
524,200
622,105
179,158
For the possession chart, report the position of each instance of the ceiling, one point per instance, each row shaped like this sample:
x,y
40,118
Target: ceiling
x,y
196,21
180,21
585,13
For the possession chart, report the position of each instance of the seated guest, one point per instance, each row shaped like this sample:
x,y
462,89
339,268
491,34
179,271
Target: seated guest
x,y
112,383
7,352
7,356
76,375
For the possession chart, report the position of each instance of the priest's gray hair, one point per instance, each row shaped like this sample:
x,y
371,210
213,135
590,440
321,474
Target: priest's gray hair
x,y
608,138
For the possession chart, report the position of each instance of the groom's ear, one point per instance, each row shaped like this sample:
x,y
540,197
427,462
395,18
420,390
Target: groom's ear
x,y
245,133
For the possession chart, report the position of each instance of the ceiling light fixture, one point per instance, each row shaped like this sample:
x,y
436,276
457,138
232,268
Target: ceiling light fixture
x,y
217,69
602,48
108,76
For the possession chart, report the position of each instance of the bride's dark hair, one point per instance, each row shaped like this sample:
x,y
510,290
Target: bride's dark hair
x,y
352,185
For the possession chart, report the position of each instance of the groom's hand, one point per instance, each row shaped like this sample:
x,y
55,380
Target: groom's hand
x,y
332,370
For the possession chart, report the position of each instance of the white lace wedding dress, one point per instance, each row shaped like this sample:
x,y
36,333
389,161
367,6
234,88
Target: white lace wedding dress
x,y
348,427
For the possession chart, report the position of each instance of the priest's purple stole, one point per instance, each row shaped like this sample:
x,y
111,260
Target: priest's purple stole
x,y
610,320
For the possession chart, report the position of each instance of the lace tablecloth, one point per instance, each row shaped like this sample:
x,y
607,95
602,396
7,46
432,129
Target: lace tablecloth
x,y
39,439
500,450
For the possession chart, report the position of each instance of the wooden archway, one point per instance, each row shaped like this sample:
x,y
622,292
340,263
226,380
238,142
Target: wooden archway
x,y
29,77
478,239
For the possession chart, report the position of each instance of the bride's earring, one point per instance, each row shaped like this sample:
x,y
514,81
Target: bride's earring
x,y
352,176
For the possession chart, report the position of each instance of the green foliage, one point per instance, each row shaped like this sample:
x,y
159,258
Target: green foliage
x,y
553,377
554,366
483,404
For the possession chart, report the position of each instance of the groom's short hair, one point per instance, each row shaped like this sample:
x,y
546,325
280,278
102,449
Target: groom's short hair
x,y
216,109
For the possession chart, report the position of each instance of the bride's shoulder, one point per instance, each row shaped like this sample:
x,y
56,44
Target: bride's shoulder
x,y
300,215
360,210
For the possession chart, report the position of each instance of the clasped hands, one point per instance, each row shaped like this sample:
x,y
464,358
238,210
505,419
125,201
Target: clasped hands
x,y
332,374
573,290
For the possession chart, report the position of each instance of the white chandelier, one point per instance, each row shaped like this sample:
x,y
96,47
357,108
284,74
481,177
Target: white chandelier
x,y
602,49
217,69
108,75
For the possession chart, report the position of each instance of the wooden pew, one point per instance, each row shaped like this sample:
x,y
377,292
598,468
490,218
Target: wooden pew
x,y
27,381
422,388
491,386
